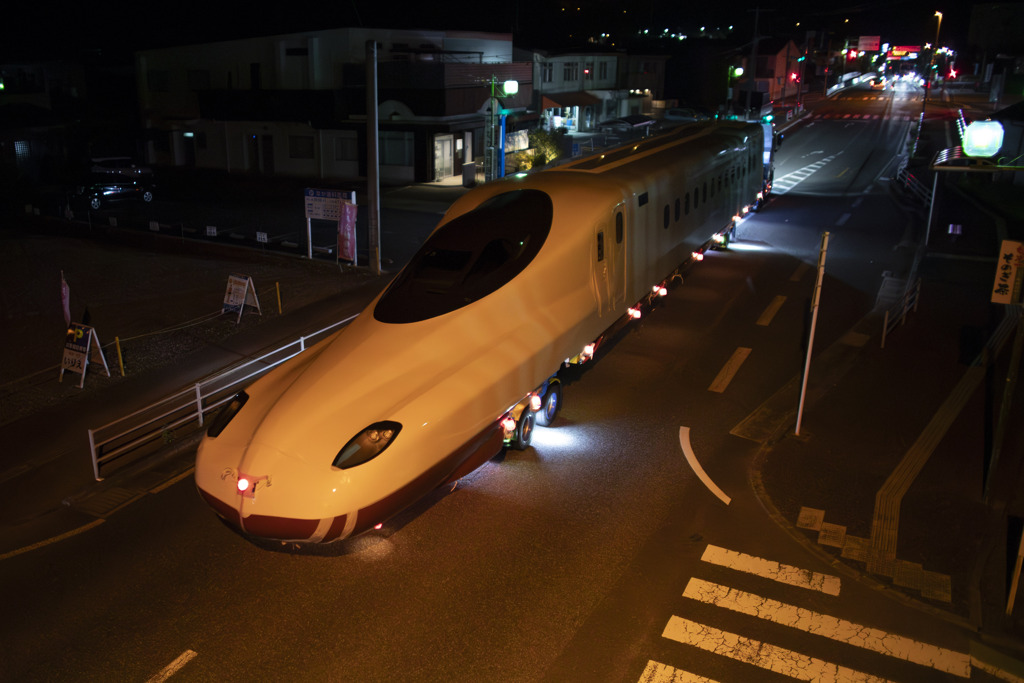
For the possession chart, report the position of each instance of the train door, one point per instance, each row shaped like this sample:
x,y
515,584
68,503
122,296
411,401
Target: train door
x,y
611,263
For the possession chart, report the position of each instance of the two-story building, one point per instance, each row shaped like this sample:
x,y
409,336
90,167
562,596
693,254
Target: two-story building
x,y
296,104
578,90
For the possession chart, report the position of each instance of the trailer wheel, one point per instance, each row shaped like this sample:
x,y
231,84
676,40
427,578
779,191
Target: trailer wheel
x,y
524,431
551,405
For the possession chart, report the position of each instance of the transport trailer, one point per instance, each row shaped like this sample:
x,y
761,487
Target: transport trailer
x,y
459,357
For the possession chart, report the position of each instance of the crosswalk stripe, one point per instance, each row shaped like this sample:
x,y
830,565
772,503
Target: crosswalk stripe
x,y
760,654
656,672
840,630
769,569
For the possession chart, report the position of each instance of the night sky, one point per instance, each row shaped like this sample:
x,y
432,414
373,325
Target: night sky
x,y
33,30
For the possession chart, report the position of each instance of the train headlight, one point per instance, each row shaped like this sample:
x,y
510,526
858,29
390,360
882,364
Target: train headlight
x,y
227,413
367,444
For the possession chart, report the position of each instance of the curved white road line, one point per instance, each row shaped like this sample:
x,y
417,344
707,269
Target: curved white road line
x,y
684,441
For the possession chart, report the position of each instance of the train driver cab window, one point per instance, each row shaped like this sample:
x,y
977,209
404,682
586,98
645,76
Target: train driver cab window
x,y
469,257
619,228
600,246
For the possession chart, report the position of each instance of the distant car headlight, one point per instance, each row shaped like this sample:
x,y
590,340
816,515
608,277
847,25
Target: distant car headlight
x,y
226,414
367,444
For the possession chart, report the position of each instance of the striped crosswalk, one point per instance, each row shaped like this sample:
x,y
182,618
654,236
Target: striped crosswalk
x,y
744,650
826,116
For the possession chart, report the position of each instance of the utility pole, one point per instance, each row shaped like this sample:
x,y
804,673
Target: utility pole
x,y
815,299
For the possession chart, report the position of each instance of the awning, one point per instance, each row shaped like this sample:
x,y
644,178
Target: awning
x,y
568,99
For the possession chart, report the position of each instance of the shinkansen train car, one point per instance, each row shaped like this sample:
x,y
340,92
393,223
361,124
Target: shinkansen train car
x,y
459,356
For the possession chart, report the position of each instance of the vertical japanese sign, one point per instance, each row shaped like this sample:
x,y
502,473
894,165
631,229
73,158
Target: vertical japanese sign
x,y
347,232
1007,287
65,298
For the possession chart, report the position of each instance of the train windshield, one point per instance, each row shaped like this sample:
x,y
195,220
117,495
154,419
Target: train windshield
x,y
470,257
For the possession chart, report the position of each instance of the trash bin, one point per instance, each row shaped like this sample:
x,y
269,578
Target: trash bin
x,y
469,174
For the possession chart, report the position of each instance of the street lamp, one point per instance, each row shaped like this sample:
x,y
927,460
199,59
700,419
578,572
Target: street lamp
x,y
494,149
734,72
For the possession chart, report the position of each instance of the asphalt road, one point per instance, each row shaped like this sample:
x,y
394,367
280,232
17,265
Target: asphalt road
x,y
579,559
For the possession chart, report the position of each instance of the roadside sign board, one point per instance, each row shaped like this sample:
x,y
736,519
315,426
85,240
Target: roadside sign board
x,y
324,204
81,347
1009,273
241,292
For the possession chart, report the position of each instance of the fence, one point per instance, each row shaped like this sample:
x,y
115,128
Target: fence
x,y
897,315
146,430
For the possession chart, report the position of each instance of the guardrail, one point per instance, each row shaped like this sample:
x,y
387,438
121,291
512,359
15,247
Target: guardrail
x,y
897,315
146,430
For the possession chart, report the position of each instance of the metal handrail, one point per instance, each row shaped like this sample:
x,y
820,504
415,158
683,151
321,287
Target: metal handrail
x,y
143,427
897,314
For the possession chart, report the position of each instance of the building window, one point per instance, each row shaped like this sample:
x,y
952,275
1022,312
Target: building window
x,y
396,148
346,149
571,72
602,71
300,147
588,72
547,73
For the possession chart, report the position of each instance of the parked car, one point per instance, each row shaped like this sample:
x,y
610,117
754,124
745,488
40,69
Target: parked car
x,y
125,166
105,188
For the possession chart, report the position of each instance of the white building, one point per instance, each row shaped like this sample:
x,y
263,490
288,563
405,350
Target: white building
x,y
295,104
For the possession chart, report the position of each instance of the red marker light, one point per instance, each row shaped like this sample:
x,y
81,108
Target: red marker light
x,y
243,485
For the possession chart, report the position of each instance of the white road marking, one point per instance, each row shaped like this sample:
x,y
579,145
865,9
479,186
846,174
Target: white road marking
x,y
839,630
656,672
684,442
766,318
760,654
173,668
55,539
730,369
769,569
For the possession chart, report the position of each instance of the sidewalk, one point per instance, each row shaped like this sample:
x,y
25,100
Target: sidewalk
x,y
887,477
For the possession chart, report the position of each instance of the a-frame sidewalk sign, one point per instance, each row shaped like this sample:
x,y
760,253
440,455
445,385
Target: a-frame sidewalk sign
x,y
81,347
241,292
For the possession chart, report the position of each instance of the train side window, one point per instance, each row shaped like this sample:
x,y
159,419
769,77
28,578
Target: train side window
x,y
619,228
600,246
664,220
642,199
677,209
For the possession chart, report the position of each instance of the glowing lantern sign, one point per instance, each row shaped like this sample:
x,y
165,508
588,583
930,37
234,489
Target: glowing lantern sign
x,y
983,138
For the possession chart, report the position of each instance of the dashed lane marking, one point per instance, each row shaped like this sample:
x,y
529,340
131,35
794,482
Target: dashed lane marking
x,y
766,317
760,654
656,672
769,569
730,369
174,667
839,630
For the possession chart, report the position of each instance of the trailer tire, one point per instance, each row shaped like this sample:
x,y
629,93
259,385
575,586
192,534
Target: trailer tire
x,y
524,431
551,405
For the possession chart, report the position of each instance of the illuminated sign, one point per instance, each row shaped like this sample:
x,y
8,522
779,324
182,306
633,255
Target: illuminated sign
x,y
904,52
